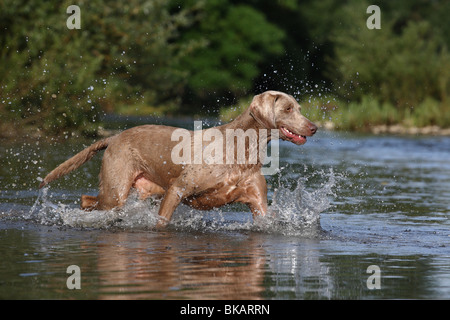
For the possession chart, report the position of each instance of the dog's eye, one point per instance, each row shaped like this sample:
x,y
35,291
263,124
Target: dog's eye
x,y
289,109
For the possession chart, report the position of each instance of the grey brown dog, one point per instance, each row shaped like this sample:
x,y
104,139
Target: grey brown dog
x,y
141,158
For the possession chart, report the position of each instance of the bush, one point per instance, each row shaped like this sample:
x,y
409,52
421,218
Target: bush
x,y
228,114
400,66
430,112
237,39
58,79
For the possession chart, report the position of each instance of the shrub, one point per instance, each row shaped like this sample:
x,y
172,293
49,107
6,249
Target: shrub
x,y
402,67
59,79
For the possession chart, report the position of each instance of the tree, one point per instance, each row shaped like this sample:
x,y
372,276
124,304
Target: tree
x,y
58,79
402,67
237,39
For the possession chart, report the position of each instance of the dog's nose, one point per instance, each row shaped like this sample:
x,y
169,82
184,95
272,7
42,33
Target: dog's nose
x,y
312,128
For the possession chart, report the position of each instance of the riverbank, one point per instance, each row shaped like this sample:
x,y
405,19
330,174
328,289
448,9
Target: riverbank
x,y
14,133
11,132
396,129
369,116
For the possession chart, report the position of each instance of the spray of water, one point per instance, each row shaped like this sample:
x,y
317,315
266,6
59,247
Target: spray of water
x,y
295,210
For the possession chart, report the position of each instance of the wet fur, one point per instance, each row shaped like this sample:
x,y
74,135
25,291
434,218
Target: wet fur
x,y
140,158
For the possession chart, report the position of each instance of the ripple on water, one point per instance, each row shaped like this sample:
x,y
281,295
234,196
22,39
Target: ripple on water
x,y
295,210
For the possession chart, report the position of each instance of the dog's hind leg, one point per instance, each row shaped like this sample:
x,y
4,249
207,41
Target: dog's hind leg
x,y
89,203
147,188
116,179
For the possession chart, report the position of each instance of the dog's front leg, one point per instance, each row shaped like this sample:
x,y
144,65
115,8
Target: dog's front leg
x,y
255,195
179,190
170,202
258,205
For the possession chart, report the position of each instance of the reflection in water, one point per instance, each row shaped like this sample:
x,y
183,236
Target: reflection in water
x,y
297,272
204,265
157,267
381,200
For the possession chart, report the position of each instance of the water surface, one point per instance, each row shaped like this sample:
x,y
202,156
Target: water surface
x,y
344,202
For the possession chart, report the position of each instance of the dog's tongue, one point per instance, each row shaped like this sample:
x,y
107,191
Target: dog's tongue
x,y
299,139
296,138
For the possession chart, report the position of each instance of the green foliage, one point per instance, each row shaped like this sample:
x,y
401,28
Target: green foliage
x,y
361,116
402,68
430,112
369,112
168,57
237,39
58,79
228,114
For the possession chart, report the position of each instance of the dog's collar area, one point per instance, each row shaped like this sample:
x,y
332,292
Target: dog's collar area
x,y
256,119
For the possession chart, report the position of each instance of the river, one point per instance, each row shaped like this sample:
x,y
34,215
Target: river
x,y
358,217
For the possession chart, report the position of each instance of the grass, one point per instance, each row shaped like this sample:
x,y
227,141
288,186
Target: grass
x,y
142,109
363,115
228,114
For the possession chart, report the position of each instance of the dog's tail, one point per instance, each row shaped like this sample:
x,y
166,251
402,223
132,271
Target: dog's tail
x,y
75,162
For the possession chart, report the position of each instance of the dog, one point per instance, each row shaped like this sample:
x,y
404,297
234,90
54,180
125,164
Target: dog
x,y
142,158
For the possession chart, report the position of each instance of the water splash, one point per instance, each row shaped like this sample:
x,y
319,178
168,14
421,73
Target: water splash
x,y
135,214
43,210
295,211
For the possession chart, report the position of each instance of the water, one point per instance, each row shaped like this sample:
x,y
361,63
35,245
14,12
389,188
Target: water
x,y
343,202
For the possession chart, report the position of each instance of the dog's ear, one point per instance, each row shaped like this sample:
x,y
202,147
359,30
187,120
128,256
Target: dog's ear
x,y
263,109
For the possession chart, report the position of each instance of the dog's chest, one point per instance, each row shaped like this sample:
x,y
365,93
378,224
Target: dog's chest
x,y
225,192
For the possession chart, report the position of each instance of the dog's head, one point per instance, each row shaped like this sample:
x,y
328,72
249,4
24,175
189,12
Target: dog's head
x,y
278,110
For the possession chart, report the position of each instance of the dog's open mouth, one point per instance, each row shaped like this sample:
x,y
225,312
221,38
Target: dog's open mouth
x,y
293,137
